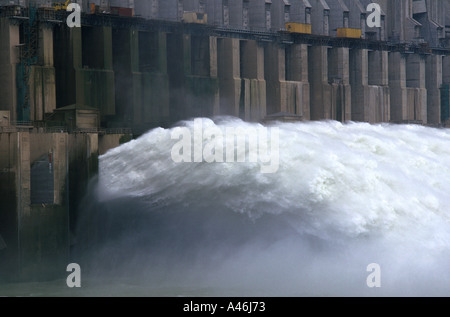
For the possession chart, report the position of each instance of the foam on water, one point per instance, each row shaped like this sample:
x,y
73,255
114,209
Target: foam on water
x,y
344,196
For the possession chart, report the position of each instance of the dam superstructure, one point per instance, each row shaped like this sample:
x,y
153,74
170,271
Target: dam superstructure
x,y
67,94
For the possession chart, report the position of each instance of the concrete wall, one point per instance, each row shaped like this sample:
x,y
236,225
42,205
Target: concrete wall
x,y
9,34
320,17
36,235
92,61
300,11
218,12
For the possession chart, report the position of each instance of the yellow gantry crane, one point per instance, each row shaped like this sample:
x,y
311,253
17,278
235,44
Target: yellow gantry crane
x,y
61,5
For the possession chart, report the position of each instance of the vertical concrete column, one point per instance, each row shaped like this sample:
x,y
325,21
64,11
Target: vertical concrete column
x,y
213,72
60,165
42,83
297,72
275,75
228,69
136,78
253,100
318,79
359,81
446,70
9,34
445,90
106,34
417,93
320,17
77,55
23,175
433,86
379,85
163,99
339,77
23,190
397,84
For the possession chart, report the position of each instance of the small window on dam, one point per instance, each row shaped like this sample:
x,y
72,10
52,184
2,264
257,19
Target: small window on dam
x,y
42,180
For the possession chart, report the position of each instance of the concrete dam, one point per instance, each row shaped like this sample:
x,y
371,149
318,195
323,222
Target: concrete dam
x,y
68,94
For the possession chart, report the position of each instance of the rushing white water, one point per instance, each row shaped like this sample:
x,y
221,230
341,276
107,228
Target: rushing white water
x,y
344,196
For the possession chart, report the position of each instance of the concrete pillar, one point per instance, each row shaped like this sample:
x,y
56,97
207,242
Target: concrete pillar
x,y
42,83
446,69
433,86
417,93
445,90
320,16
9,34
359,82
297,73
318,79
339,78
229,76
378,80
36,233
397,84
253,87
275,75
260,14
400,24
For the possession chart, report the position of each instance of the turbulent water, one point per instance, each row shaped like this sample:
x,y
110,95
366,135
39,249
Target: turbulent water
x,y
344,196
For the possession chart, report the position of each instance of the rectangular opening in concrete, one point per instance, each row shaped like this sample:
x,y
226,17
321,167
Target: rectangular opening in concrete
x,y
373,76
122,73
289,61
92,47
247,58
200,56
333,71
175,70
148,51
42,181
63,58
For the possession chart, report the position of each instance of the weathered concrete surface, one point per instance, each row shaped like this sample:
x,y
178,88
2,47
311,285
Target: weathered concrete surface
x,y
34,227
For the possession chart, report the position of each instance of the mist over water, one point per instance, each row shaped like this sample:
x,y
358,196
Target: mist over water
x,y
344,196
